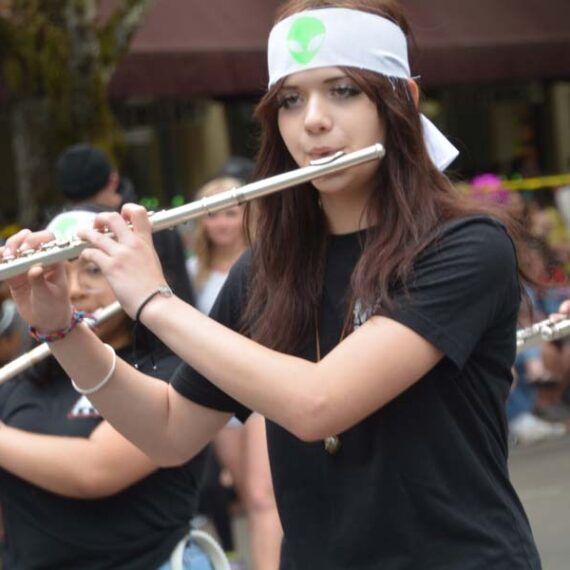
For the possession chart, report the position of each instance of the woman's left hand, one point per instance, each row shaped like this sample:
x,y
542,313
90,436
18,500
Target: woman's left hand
x,y
126,256
565,308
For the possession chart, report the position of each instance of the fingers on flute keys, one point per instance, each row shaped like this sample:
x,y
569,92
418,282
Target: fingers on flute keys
x,y
24,243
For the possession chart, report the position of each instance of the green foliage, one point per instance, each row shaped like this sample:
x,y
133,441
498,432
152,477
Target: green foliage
x,y
59,51
57,58
33,51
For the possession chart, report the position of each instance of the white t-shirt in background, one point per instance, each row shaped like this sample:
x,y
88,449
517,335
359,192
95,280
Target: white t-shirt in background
x,y
207,293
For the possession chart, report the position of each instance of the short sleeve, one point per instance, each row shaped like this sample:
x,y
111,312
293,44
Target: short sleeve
x,y
5,391
462,286
227,310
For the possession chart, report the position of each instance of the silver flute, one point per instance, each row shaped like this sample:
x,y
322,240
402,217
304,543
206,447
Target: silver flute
x,y
57,250
547,330
543,331
40,352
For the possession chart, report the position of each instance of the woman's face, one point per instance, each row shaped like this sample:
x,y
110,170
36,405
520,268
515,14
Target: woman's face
x,y
89,291
323,111
225,228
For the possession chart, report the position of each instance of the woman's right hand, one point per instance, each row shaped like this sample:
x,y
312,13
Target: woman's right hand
x,y
41,294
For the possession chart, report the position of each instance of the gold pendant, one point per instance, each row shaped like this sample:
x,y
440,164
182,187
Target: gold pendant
x,y
332,444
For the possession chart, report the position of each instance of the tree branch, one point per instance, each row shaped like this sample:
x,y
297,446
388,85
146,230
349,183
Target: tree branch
x,y
116,35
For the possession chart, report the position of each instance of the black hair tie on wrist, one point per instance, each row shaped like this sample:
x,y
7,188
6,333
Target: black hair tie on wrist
x,y
163,290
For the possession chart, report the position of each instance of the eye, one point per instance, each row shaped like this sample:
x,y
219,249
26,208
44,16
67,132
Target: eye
x,y
288,100
92,270
345,91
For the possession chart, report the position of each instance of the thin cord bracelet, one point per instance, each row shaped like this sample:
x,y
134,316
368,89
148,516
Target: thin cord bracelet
x,y
53,336
163,290
97,387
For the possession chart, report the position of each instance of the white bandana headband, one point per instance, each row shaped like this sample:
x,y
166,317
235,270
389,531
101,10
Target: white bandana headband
x,y
8,314
336,37
65,225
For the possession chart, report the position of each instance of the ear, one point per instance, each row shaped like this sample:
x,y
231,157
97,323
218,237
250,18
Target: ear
x,y
415,92
114,180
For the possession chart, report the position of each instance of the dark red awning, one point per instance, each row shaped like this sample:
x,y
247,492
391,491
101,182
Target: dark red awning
x,y
217,47
461,41
189,47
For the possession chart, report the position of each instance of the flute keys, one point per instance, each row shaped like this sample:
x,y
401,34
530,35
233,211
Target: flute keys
x,y
7,258
48,245
26,252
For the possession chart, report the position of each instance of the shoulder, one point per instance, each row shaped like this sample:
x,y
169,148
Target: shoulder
x,y
475,227
242,266
477,239
238,278
6,391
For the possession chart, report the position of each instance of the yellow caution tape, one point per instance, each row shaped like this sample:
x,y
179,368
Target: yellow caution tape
x,y
538,182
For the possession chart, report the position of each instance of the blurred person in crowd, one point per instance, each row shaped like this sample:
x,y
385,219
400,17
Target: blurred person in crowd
x,y
544,295
538,368
546,222
241,450
74,492
489,188
557,405
86,175
553,287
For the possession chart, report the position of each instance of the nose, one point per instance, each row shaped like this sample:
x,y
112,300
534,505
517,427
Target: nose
x,y
76,291
317,115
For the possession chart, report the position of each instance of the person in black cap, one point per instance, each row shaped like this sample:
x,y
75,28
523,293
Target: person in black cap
x,y
238,167
85,174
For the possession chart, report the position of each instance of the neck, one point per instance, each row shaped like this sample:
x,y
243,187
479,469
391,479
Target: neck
x,y
223,257
344,214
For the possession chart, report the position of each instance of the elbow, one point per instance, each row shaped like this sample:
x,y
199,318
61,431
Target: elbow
x,y
173,456
93,487
310,420
169,460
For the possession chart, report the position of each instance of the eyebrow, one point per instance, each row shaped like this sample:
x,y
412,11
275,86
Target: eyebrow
x,y
329,80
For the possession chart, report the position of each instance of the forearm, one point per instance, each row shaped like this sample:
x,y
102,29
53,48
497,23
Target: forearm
x,y
278,386
58,464
145,422
310,400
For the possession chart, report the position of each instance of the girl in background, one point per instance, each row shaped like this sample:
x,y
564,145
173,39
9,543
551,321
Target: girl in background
x,y
74,492
241,450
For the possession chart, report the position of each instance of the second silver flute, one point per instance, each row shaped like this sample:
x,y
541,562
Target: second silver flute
x,y
54,251
40,352
543,331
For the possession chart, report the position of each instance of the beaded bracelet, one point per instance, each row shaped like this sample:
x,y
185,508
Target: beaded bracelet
x,y
97,387
76,318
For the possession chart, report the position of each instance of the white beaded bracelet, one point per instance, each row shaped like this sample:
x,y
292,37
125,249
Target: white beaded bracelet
x,y
97,387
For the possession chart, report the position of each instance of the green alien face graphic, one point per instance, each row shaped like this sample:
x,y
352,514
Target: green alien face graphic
x,y
65,228
305,39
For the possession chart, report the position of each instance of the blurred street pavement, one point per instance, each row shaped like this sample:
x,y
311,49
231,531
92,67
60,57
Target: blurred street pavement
x,y
541,475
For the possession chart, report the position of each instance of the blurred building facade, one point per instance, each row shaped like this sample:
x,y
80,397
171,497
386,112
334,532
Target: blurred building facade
x,y
495,73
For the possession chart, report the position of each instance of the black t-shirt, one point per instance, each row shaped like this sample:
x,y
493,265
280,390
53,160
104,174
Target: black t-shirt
x,y
423,481
135,529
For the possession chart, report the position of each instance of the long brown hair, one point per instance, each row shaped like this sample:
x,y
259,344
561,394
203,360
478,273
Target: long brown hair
x,y
412,200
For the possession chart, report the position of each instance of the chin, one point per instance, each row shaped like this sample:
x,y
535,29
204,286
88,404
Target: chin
x,y
332,183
